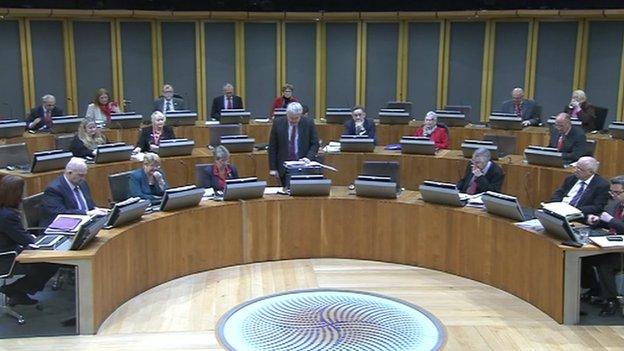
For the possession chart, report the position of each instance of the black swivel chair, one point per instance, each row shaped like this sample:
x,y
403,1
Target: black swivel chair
x,y
31,207
62,142
601,116
506,143
119,184
7,262
202,173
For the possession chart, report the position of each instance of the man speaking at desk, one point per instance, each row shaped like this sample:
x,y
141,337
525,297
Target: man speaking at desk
x,y
585,189
292,138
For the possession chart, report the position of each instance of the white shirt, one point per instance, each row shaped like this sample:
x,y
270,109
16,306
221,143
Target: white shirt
x,y
170,104
575,189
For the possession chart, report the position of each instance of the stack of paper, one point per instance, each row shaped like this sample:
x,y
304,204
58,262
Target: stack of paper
x,y
602,241
563,209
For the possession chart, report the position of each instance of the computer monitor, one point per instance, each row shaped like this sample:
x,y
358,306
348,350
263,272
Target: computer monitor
x,y
469,146
216,131
441,193
113,152
503,205
394,116
463,109
404,105
65,124
508,121
127,212
234,117
175,147
49,160
334,115
616,129
451,118
11,128
238,143
544,156
375,187
556,225
356,143
244,188
181,118
125,120
181,197
14,156
309,185
87,232
279,112
383,169
417,145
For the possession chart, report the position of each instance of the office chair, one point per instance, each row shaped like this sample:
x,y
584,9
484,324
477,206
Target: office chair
x,y
7,262
405,105
202,172
31,207
119,184
506,143
62,142
590,147
601,116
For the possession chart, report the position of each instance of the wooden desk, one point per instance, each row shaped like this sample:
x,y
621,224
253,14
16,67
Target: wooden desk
x,y
123,262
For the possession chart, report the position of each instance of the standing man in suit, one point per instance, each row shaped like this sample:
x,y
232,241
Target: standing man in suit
x,y
292,138
227,101
359,124
585,189
481,174
41,116
612,219
524,108
69,194
167,102
568,139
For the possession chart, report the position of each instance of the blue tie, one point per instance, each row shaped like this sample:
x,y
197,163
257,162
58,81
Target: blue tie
x,y
82,206
578,195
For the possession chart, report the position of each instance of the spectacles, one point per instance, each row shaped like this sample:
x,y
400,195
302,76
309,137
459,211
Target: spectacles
x,y
616,193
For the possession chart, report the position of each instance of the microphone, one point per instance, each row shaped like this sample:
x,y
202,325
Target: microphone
x,y
10,109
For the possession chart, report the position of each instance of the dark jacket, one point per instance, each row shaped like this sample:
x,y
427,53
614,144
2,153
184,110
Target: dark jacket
x,y
139,186
587,115
614,223
208,179
58,198
492,180
594,198
12,233
159,105
308,144
145,137
574,144
37,112
369,127
530,111
218,105
79,149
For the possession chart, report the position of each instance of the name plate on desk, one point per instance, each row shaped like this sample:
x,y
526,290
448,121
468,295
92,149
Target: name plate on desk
x,y
509,121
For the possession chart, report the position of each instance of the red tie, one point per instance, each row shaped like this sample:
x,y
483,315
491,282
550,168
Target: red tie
x,y
47,119
292,152
472,188
519,110
618,216
560,143
229,104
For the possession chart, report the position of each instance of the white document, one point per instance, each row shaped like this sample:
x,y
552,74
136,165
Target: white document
x,y
272,190
262,120
603,242
309,164
563,209
531,224
211,123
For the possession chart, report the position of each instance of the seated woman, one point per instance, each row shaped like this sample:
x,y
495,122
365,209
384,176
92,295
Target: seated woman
x,y
148,182
359,124
434,131
101,108
86,140
581,109
13,237
285,99
150,136
215,175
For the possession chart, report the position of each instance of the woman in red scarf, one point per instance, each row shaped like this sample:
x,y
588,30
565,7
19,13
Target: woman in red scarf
x,y
101,108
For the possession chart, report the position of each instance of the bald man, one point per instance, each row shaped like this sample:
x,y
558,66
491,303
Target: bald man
x,y
227,101
568,139
68,194
524,108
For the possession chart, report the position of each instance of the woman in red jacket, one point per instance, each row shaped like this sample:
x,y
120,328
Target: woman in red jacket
x,y
286,98
438,133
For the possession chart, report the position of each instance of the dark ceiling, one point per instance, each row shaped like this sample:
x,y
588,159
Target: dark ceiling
x,y
313,5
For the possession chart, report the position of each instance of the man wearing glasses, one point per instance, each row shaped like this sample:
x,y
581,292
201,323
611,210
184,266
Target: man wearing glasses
x,y
585,189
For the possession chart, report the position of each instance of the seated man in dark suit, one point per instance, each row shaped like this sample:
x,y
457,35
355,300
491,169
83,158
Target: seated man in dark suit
x,y
167,102
585,189
526,109
359,124
568,139
227,101
607,264
41,116
292,138
69,194
481,174
215,175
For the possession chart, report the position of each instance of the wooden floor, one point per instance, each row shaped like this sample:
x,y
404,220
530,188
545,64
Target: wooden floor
x,y
182,314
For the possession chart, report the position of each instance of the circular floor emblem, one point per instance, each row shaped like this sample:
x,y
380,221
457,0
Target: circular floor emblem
x,y
329,320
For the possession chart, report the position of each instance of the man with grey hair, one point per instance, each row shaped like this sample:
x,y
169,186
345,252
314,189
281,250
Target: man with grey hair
x,y
69,194
40,117
292,138
585,189
524,108
227,101
438,133
168,101
481,174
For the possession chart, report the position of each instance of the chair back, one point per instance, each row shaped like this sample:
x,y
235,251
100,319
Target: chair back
x,y
7,262
506,143
119,184
202,173
601,116
590,147
31,206
63,141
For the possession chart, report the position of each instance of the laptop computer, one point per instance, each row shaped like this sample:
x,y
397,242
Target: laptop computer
x,y
506,206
